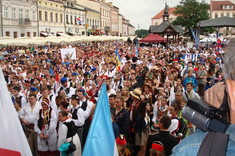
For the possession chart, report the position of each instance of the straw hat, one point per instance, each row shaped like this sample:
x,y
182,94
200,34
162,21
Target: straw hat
x,y
136,93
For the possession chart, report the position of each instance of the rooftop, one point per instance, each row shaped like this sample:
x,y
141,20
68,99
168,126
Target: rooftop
x,y
160,14
217,5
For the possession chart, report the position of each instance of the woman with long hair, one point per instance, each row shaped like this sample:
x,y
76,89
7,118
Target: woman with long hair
x,y
126,97
142,124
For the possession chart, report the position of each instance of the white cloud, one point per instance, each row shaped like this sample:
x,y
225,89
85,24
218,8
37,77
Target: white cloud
x,y
140,12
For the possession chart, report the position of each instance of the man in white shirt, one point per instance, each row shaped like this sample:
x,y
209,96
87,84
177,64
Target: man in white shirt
x,y
87,107
29,115
69,91
173,110
190,93
17,94
78,115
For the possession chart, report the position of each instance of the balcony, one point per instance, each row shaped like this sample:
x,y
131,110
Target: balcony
x,y
24,21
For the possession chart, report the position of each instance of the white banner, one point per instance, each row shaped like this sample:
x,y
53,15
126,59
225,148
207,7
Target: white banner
x,y
69,53
12,138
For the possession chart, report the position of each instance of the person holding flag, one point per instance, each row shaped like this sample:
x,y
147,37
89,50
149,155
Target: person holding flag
x,y
100,139
219,44
136,48
118,59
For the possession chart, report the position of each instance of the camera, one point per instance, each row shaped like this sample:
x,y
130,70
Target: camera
x,y
205,117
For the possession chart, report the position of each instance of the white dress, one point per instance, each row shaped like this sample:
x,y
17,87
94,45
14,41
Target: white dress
x,y
62,133
51,143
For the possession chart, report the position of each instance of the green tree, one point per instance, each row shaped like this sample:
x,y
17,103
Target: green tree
x,y
190,12
142,33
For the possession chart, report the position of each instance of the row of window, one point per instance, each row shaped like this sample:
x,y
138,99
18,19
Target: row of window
x,y
223,14
22,34
51,4
105,12
227,6
58,17
54,17
105,23
19,14
70,19
93,22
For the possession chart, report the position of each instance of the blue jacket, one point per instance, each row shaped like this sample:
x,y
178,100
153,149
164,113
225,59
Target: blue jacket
x,y
191,144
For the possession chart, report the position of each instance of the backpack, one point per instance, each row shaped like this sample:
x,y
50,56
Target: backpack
x,y
182,128
71,129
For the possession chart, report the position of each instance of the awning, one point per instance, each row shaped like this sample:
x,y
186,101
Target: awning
x,y
153,38
60,34
72,33
43,34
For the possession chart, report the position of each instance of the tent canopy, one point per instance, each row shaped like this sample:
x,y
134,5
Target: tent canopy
x,y
153,38
218,22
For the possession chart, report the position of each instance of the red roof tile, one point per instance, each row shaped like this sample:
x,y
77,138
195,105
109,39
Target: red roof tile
x,y
159,15
217,5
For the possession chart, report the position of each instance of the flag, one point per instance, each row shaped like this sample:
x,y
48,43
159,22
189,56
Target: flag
x,y
136,49
119,64
196,38
12,137
100,140
79,21
218,44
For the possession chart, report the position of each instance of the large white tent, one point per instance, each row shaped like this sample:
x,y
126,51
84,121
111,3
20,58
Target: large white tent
x,y
25,41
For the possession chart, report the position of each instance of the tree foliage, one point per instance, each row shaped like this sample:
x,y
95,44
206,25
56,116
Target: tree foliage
x,y
141,33
190,12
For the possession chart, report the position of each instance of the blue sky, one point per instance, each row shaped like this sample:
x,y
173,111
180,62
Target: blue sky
x,y
140,12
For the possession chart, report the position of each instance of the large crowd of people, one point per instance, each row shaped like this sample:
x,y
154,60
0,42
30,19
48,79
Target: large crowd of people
x,y
56,99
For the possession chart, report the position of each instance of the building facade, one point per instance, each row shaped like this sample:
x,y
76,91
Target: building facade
x,y
92,16
93,22
125,24
30,18
220,9
131,30
105,17
114,20
120,23
50,17
75,16
157,19
18,18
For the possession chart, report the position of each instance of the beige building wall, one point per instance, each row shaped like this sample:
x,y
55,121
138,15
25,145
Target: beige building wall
x,y
73,12
220,9
114,19
131,30
92,16
51,17
18,19
125,31
105,23
120,23
93,22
